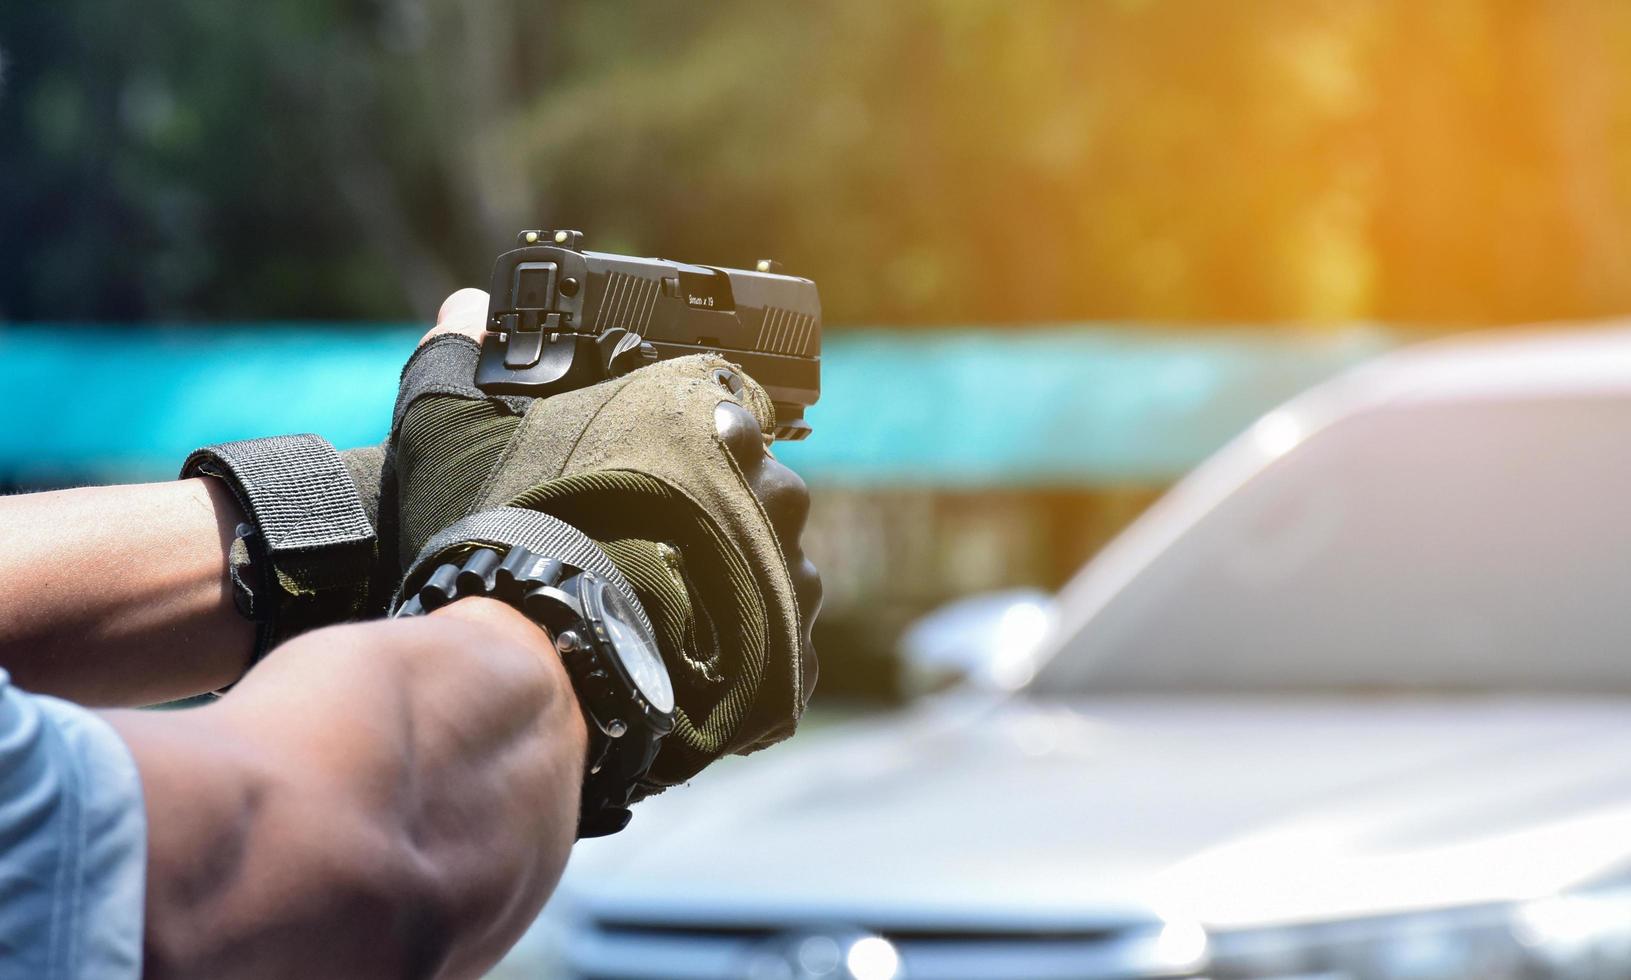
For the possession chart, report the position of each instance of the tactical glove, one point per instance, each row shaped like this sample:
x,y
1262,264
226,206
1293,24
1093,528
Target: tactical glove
x,y
666,469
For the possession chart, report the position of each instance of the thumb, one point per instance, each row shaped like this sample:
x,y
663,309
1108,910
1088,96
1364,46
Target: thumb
x,y
463,312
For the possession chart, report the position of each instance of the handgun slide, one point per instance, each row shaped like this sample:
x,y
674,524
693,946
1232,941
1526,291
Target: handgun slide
x,y
561,318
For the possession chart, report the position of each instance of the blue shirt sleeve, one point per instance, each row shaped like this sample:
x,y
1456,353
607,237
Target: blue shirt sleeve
x,y
73,843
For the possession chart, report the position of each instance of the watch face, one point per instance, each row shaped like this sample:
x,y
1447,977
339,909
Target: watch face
x,y
633,643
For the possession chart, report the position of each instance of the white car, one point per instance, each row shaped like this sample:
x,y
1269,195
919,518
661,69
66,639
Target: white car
x,y
1353,700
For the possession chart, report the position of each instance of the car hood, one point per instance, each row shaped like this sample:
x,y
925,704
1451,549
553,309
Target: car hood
x,y
1047,814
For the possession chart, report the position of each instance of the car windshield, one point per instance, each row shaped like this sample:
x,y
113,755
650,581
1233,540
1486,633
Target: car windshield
x,y
1480,547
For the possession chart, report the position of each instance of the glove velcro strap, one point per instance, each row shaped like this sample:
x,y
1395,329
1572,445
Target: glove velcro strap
x,y
510,527
314,533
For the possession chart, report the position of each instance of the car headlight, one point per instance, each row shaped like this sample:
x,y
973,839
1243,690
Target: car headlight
x,y
1572,936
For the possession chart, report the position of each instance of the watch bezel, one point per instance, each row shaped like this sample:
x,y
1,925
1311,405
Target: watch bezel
x,y
591,591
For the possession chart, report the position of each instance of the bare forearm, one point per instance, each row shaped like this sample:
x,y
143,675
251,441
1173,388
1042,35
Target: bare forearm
x,y
119,595
401,796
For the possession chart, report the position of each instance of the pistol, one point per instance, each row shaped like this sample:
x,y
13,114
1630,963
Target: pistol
x,y
561,318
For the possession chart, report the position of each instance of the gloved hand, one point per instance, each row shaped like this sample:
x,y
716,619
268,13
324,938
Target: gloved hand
x,y
667,469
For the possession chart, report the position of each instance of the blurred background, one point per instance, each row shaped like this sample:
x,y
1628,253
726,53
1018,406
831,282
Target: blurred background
x,y
1064,249
1066,252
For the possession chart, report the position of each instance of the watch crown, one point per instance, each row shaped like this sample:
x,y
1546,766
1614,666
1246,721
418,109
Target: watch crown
x,y
568,642
617,728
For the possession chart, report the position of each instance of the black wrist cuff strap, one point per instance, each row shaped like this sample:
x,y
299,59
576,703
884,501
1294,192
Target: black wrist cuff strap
x,y
306,558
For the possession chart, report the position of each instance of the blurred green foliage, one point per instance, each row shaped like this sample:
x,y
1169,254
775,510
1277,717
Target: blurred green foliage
x,y
927,162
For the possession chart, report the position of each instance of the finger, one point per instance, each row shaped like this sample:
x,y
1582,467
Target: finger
x,y
740,432
463,312
782,492
786,501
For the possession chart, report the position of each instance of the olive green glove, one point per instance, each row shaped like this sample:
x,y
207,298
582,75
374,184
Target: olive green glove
x,y
665,469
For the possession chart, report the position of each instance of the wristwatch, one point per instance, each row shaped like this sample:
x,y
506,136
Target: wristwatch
x,y
606,643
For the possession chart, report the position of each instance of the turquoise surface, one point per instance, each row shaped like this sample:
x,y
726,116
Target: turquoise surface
x,y
952,407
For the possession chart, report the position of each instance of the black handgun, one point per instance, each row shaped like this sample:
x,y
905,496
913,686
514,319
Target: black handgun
x,y
561,318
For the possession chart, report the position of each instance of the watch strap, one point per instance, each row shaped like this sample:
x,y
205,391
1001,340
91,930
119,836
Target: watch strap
x,y
513,527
